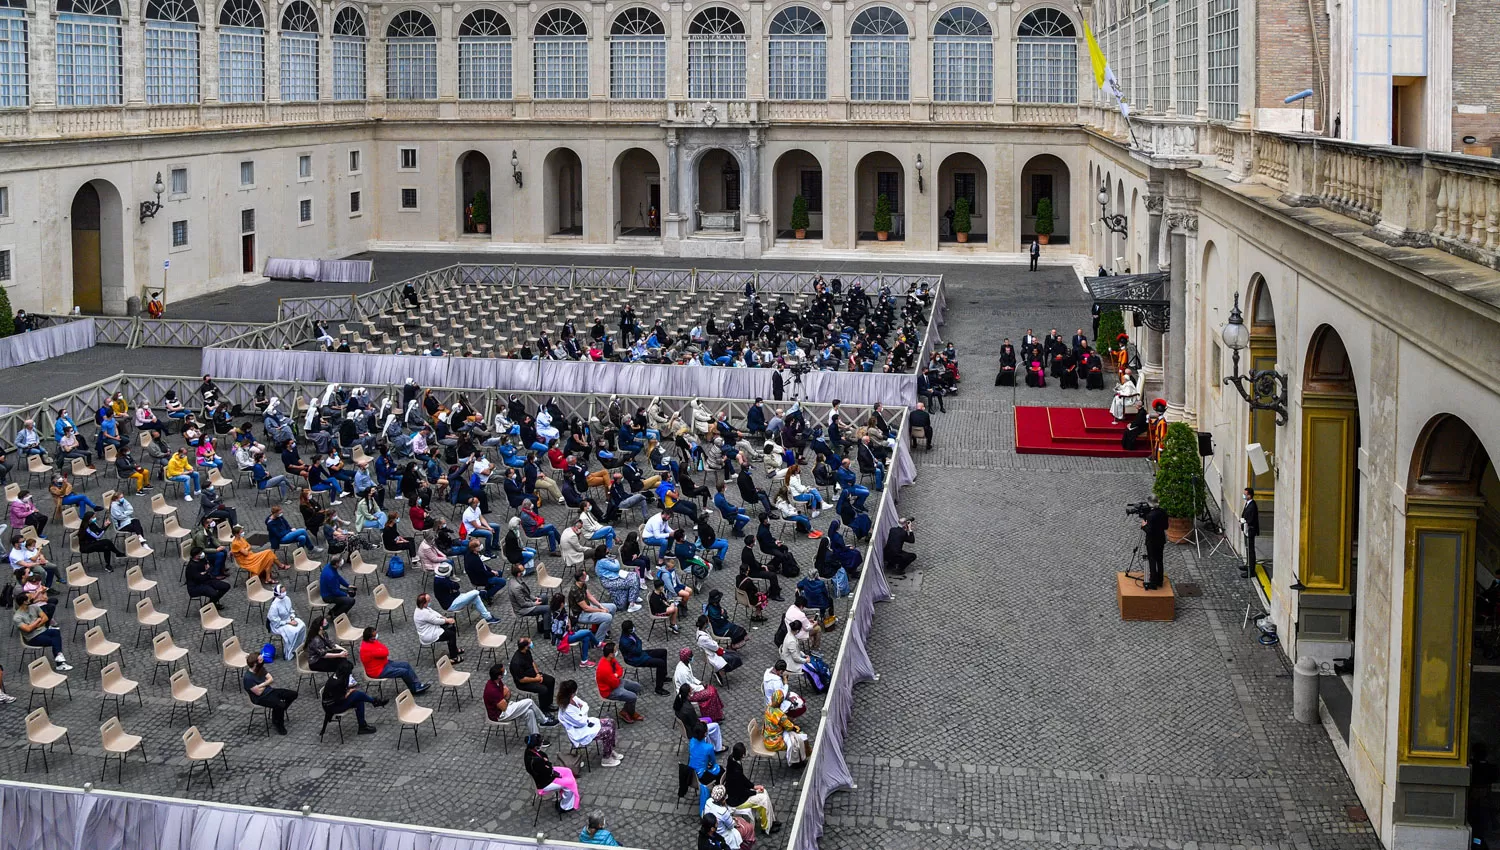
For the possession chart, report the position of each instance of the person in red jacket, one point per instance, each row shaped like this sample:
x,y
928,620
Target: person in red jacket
x,y
376,657
610,676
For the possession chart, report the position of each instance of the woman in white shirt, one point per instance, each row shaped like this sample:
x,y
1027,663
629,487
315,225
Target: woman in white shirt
x,y
721,659
581,728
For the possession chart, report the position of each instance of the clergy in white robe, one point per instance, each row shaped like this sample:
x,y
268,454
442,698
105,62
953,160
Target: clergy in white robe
x,y
1127,396
285,622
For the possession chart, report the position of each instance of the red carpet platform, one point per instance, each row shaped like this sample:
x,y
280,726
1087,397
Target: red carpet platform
x,y
1077,431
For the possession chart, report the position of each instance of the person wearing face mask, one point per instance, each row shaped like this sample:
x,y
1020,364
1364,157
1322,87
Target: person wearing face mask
x,y
282,619
528,678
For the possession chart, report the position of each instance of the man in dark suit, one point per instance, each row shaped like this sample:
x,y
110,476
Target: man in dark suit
x,y
1036,253
1250,525
920,418
1154,524
897,559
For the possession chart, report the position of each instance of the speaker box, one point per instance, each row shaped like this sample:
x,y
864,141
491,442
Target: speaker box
x,y
1205,444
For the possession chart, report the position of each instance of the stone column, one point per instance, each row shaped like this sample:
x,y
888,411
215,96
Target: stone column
x,y
754,222
1176,348
1150,340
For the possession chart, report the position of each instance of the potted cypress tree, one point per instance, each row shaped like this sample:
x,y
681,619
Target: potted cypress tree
x,y
961,223
7,318
1044,225
481,211
799,216
1179,483
882,218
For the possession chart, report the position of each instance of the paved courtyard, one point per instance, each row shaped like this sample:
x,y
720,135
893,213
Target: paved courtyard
x,y
1014,708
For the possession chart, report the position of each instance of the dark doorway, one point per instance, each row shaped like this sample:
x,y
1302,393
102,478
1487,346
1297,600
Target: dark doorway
x,y
88,280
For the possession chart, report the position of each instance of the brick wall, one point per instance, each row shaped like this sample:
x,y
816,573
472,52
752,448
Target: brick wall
x,y
1476,31
1284,57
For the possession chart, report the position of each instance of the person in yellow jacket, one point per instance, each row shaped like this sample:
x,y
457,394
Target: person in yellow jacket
x,y
180,469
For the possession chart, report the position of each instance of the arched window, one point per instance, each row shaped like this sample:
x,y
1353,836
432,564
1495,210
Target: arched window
x,y
637,55
411,57
716,55
1223,59
484,56
171,51
1046,58
14,88
88,53
797,55
963,57
299,53
879,56
348,55
242,52
561,65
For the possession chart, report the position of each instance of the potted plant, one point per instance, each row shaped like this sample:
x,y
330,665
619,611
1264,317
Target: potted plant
x,y
1179,482
882,218
799,216
1044,224
481,211
961,223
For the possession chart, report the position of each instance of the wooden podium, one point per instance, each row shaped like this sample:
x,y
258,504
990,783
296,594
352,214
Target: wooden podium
x,y
1137,603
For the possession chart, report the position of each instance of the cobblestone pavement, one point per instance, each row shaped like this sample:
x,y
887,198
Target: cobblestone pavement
x,y
449,783
35,381
1036,718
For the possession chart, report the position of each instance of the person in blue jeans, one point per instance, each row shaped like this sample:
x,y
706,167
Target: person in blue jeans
x,y
729,512
848,481
281,532
376,658
264,480
578,634
63,489
338,696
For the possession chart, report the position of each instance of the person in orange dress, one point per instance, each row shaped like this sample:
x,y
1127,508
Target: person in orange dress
x,y
262,564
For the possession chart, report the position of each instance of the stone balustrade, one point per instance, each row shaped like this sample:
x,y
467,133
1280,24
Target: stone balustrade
x,y
1408,197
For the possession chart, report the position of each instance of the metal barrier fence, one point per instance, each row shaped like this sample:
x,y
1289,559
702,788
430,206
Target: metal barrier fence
x,y
145,332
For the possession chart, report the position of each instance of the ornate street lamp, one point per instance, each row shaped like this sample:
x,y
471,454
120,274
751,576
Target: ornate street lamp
x,y
515,168
920,187
1264,389
149,209
1113,223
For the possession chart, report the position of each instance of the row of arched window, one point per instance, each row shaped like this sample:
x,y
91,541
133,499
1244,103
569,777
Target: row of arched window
x,y
89,71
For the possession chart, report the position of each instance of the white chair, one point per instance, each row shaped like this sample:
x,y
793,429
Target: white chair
x,y
386,604
86,613
136,584
44,680
450,679
42,734
201,752
166,652
186,694
234,658
412,716
147,618
118,744
212,622
116,687
96,645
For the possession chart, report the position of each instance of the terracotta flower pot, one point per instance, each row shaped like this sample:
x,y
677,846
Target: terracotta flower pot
x,y
1043,237
963,237
801,234
482,228
881,235
1178,529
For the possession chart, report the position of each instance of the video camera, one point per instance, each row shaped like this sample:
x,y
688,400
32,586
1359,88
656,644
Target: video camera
x,y
1139,509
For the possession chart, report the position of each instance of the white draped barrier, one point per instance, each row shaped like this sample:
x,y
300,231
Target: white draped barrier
x,y
41,817
550,375
52,341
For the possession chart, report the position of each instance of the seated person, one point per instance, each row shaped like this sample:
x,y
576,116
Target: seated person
x,y
376,658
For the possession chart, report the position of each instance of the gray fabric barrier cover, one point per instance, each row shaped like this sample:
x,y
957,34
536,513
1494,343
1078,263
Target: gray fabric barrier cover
x,y
830,772
345,271
52,341
327,271
39,817
279,268
550,375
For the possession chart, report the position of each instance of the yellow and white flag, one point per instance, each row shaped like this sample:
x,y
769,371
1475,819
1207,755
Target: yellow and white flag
x,y
1104,76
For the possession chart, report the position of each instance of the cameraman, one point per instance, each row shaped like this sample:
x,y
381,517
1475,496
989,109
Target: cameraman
x,y
1154,524
897,559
